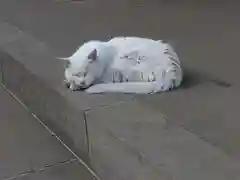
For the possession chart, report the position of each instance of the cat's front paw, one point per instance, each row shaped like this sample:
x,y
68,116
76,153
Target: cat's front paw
x,y
66,84
118,77
94,89
73,86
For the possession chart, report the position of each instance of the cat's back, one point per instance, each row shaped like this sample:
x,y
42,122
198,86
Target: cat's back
x,y
144,56
125,44
136,47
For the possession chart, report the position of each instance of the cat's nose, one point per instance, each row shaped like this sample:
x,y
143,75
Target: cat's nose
x,y
67,85
83,83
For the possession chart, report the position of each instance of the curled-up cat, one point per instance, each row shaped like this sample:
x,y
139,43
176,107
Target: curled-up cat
x,y
124,64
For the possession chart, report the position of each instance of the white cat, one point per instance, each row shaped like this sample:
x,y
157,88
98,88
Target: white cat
x,y
124,64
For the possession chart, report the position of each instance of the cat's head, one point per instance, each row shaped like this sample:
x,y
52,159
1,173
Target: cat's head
x,y
84,72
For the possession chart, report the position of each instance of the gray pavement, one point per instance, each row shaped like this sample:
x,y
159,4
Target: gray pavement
x,y
28,151
206,37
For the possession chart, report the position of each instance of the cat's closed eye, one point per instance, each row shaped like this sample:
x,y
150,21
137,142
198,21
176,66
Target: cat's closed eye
x,y
81,74
78,74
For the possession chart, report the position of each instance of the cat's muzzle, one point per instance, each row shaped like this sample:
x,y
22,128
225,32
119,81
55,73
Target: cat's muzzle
x,y
73,86
66,83
82,85
70,85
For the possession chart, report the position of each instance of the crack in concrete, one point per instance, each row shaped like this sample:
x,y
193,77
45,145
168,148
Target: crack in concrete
x,y
1,73
141,157
203,139
69,1
86,131
221,83
46,167
109,105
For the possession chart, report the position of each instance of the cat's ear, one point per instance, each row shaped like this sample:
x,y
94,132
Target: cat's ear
x,y
93,56
63,58
66,61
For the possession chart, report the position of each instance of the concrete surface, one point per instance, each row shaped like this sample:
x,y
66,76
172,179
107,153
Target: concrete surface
x,y
148,147
28,151
192,132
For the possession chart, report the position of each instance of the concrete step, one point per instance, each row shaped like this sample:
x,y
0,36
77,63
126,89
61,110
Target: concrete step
x,y
135,141
29,151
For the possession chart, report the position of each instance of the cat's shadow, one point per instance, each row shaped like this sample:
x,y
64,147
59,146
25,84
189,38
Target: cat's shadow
x,y
192,78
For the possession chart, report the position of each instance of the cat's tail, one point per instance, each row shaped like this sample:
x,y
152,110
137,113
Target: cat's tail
x,y
165,84
128,87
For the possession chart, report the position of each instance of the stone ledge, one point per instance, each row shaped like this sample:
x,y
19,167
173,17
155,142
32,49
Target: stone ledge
x,y
29,69
49,105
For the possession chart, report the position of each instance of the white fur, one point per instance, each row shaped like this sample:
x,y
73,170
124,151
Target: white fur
x,y
124,64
